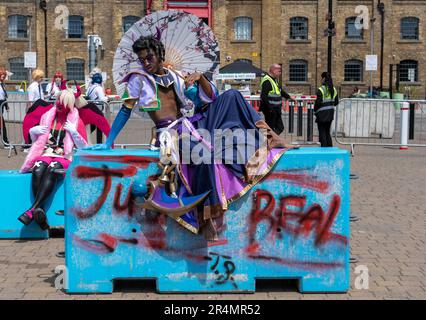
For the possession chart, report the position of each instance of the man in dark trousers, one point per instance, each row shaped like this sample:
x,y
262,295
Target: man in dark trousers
x,y
271,99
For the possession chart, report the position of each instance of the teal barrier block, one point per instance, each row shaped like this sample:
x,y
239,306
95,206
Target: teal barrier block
x,y
15,194
294,224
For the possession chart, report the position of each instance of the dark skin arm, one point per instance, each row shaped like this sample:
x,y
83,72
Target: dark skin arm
x,y
204,83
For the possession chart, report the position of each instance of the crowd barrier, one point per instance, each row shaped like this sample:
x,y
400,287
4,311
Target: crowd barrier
x,y
373,122
14,119
294,224
380,122
16,198
298,118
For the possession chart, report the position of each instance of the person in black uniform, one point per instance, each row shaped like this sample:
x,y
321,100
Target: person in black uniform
x,y
327,100
271,99
3,98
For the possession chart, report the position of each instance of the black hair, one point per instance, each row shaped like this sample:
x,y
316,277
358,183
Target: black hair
x,y
328,81
152,43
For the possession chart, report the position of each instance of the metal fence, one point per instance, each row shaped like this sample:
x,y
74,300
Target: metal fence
x,y
380,122
375,122
138,131
298,119
13,120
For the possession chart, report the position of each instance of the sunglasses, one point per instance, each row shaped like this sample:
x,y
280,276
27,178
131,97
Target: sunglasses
x,y
149,58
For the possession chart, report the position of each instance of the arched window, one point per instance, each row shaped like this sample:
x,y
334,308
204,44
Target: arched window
x,y
352,30
410,28
243,28
75,69
75,27
353,70
129,21
408,71
299,28
16,66
18,26
298,70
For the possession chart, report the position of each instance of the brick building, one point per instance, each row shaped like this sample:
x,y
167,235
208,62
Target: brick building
x,y
289,32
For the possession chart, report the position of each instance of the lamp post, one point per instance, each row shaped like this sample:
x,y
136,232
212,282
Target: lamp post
x,y
30,44
331,31
43,6
381,9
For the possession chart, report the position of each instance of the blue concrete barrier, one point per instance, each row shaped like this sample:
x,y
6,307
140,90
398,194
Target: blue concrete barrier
x,y
294,224
15,197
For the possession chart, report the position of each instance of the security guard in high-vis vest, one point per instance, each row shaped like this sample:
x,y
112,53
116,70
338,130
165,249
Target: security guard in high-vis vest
x,y
326,102
271,99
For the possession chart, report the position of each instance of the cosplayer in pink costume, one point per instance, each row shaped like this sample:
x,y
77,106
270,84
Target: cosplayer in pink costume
x,y
59,131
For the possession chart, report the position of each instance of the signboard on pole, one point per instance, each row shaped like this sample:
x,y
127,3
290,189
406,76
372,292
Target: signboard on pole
x,y
30,60
371,62
235,76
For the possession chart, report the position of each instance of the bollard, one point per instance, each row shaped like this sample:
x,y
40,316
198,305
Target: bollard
x,y
310,126
291,117
300,118
12,183
404,125
412,113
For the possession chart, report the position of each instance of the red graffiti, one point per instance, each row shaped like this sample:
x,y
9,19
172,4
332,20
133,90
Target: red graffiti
x,y
84,172
303,180
103,244
137,161
128,203
298,222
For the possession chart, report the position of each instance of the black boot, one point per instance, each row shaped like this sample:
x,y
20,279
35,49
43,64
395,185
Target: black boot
x,y
41,218
27,217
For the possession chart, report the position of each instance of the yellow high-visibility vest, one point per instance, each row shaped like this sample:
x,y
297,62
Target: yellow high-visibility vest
x,y
274,95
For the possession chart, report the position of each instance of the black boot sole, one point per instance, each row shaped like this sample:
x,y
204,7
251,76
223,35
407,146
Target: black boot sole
x,y
26,220
41,219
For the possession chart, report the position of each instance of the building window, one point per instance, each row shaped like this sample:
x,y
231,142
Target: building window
x,y
351,30
243,28
16,66
18,26
75,69
298,71
75,27
299,28
410,28
129,21
353,70
408,71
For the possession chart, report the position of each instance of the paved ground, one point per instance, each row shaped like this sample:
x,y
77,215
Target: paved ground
x,y
389,198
